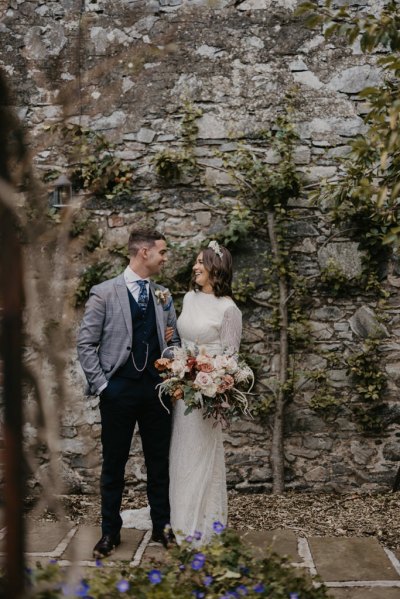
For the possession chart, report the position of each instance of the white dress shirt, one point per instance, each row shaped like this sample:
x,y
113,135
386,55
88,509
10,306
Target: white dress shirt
x,y
131,279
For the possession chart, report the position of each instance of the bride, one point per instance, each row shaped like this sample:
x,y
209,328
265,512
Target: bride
x,y
209,319
198,495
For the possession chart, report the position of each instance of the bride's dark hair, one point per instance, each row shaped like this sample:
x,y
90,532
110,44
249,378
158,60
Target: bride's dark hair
x,y
219,271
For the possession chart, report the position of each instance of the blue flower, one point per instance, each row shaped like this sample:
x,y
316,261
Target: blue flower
x,y
99,563
197,535
198,594
82,589
208,580
218,527
233,594
53,561
155,576
242,589
189,539
182,567
294,596
198,561
79,591
259,588
123,585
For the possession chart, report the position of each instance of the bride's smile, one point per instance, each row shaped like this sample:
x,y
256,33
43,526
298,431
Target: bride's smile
x,y
201,275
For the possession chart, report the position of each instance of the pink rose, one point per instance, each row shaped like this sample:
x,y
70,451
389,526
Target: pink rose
x,y
226,383
205,367
205,384
203,379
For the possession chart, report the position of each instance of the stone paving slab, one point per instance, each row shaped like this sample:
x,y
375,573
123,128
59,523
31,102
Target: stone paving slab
x,y
365,593
353,568
342,558
81,546
153,552
43,537
283,542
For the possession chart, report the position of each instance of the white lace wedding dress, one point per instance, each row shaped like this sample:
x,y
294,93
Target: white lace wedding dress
x,y
198,495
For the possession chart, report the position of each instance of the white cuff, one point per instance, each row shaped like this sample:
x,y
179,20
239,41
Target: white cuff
x,y
100,389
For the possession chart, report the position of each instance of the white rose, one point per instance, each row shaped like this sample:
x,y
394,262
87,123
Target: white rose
x,y
220,362
210,390
179,368
231,365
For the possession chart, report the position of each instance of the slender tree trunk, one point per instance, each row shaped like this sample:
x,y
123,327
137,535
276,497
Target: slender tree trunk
x,y
277,448
12,302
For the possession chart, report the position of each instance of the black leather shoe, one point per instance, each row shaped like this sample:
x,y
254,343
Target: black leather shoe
x,y
166,537
106,545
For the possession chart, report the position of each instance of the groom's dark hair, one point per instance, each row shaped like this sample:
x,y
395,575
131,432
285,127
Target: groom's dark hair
x,y
138,237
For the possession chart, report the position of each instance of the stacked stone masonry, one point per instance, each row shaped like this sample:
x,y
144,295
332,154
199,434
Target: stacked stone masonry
x,y
124,68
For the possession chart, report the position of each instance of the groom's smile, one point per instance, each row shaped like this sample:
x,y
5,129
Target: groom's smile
x,y
156,257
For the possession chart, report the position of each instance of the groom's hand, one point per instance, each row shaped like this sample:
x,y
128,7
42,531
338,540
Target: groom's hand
x,y
169,332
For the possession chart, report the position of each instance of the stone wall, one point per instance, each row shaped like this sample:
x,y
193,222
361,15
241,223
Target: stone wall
x,y
124,67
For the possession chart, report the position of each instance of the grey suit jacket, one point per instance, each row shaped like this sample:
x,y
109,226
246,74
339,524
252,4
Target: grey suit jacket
x,y
105,334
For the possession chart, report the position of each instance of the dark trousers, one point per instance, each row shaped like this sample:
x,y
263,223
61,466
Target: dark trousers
x,y
123,403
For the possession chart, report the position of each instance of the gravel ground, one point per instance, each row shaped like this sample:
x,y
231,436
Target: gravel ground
x,y
305,513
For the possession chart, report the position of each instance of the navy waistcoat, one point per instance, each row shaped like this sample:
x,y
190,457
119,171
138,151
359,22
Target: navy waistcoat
x,y
144,331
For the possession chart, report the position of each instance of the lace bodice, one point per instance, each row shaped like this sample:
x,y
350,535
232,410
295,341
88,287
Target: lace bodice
x,y
213,322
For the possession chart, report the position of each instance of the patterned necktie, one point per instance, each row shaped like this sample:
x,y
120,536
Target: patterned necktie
x,y
143,296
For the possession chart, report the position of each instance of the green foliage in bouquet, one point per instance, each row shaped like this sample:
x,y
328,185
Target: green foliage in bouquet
x,y
224,569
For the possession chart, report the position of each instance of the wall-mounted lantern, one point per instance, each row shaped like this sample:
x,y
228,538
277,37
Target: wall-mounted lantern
x,y
61,195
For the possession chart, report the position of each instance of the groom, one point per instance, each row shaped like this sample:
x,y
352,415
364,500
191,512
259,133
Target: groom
x,y
124,329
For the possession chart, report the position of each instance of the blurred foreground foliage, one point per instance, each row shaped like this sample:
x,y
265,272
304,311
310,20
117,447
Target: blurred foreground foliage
x,y
223,569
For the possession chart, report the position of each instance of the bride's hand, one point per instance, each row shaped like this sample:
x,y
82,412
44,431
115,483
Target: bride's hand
x,y
169,332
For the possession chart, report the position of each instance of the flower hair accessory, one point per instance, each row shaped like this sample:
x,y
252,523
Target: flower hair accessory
x,y
214,245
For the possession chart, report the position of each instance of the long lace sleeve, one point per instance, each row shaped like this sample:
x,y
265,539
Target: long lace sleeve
x,y
231,328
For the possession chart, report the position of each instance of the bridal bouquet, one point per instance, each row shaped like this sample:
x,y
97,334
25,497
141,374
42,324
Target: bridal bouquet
x,y
218,385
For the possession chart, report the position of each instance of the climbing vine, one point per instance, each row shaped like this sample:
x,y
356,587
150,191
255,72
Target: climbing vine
x,y
172,166
369,384
93,163
365,194
266,191
92,275
363,198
